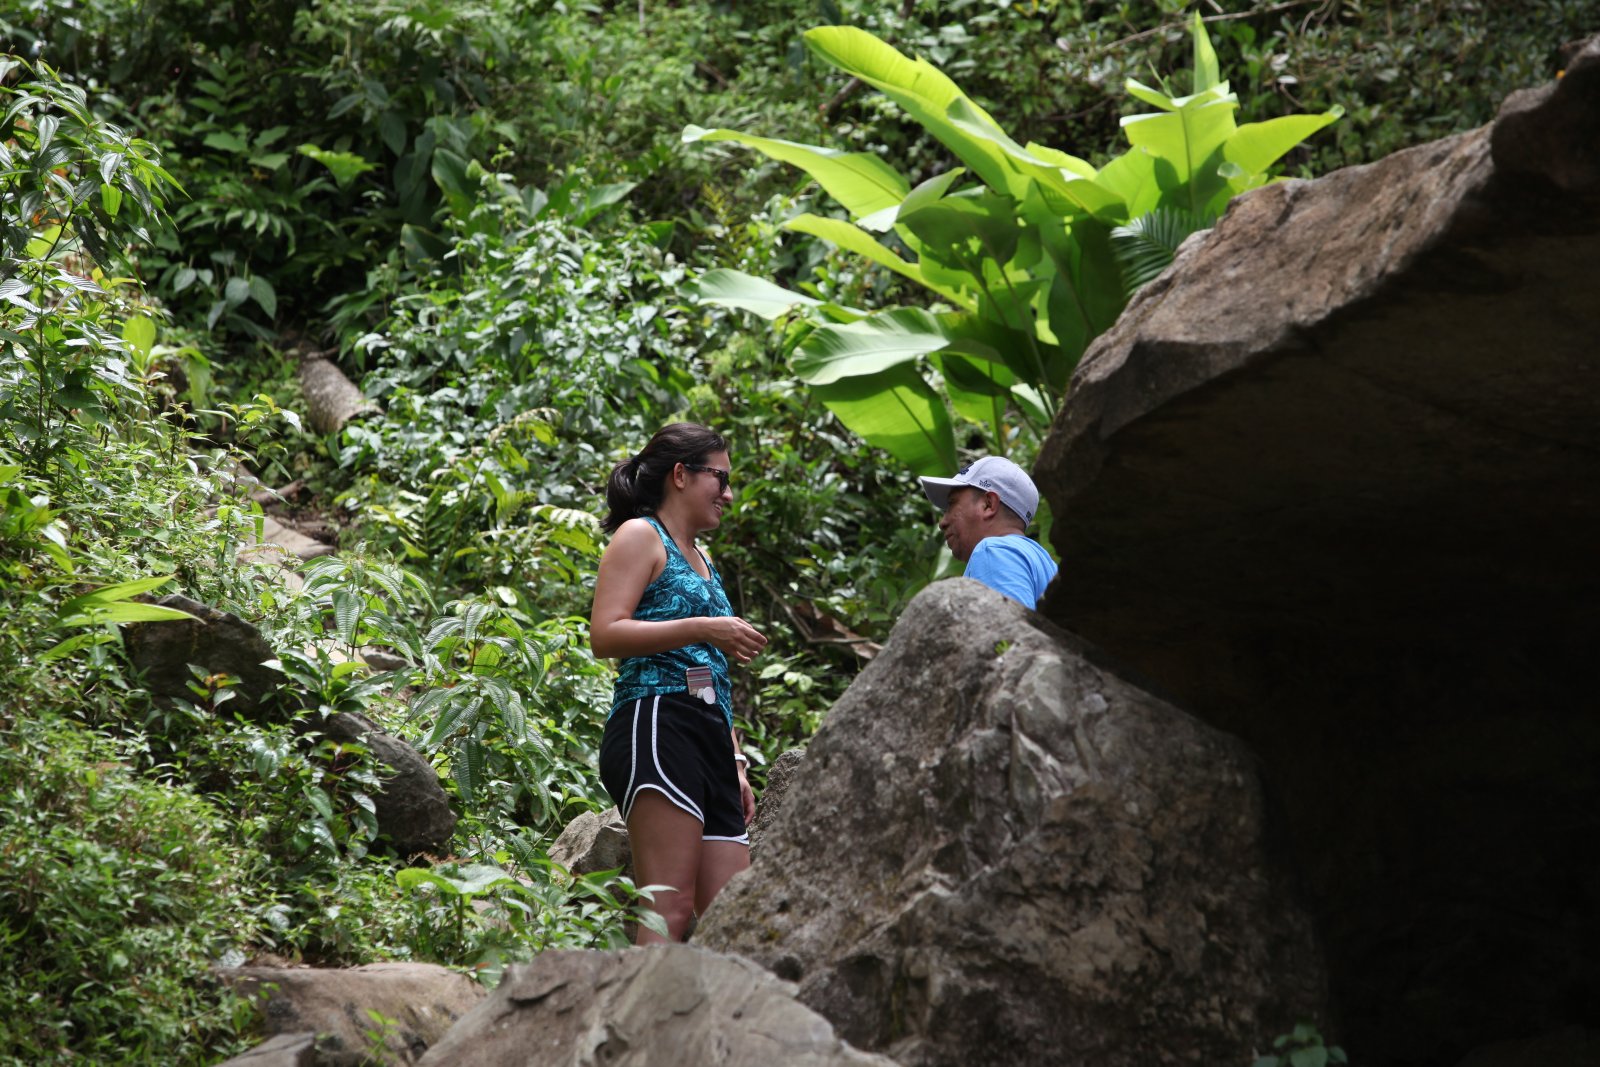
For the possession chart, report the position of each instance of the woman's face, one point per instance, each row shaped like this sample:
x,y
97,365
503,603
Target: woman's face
x,y
707,491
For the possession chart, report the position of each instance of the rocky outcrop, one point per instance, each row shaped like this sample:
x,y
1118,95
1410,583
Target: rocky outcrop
x,y
331,398
1003,847
412,808
413,811
285,1050
666,1005
1330,484
217,641
415,1004
770,802
594,841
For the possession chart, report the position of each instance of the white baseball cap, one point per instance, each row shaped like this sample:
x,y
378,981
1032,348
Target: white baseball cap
x,y
992,474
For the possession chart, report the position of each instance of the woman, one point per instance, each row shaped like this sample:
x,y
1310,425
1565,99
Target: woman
x,y
669,758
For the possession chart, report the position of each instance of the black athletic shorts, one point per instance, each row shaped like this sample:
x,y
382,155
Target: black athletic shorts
x,y
681,748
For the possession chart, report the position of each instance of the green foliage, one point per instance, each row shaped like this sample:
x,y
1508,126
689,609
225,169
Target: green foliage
x,y
1024,262
121,893
72,188
1302,1048
483,916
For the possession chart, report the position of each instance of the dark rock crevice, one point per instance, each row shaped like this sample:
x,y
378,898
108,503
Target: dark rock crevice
x,y
1333,484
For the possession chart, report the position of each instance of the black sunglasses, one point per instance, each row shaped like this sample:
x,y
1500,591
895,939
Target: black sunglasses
x,y
722,475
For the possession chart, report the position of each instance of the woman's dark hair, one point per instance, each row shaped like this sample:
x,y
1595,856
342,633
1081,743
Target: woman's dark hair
x,y
636,485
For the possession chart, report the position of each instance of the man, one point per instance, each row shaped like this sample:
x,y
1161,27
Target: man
x,y
987,508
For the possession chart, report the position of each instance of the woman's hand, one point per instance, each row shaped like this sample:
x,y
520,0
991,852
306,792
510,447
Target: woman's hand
x,y
747,797
735,637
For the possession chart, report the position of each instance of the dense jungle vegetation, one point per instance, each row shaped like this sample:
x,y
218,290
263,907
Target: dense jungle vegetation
x,y
486,212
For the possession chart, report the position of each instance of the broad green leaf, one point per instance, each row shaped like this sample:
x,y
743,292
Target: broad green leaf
x,y
898,411
348,607
736,289
122,611
228,142
925,94
1255,146
968,228
603,197
853,239
346,167
1185,137
1131,177
868,347
1207,73
979,389
921,196
119,591
139,331
860,181
1057,158
111,199
262,292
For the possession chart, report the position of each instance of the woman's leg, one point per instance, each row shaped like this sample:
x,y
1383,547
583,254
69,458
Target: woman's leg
x,y
719,861
666,851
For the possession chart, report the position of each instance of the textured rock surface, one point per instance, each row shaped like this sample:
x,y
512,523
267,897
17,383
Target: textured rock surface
x,y
413,809
285,1050
1333,483
331,398
423,1001
220,642
666,1005
1003,848
779,776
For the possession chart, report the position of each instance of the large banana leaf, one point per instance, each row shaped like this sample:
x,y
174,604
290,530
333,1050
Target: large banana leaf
x,y
736,289
1256,146
875,344
861,181
935,102
853,239
896,410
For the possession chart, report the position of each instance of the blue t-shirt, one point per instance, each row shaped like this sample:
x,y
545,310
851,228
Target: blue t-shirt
x,y
678,592
1013,564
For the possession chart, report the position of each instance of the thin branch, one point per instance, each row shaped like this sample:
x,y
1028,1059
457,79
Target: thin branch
x,y
1063,44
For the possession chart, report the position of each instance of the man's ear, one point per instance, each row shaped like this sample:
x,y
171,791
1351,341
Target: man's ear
x,y
991,504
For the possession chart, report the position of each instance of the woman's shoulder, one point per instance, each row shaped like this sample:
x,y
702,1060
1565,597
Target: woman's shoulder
x,y
638,535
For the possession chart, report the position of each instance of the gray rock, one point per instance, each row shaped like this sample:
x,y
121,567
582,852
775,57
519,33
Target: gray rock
x,y
419,1001
413,810
594,842
281,544
672,1004
779,775
285,1050
331,398
1332,482
1003,847
217,641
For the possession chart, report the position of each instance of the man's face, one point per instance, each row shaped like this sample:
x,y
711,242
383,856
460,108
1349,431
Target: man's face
x,y
963,521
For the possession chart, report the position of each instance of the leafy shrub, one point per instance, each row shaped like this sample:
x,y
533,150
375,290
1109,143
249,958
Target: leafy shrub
x,y
121,894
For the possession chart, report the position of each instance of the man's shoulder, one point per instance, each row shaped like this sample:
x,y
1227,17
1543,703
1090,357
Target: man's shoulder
x,y
1011,545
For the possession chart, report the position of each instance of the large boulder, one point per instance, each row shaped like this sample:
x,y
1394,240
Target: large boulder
x,y
671,1004
216,641
382,1012
1333,483
995,845
412,808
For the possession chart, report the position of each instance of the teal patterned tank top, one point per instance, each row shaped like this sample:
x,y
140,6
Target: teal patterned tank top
x,y
676,593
